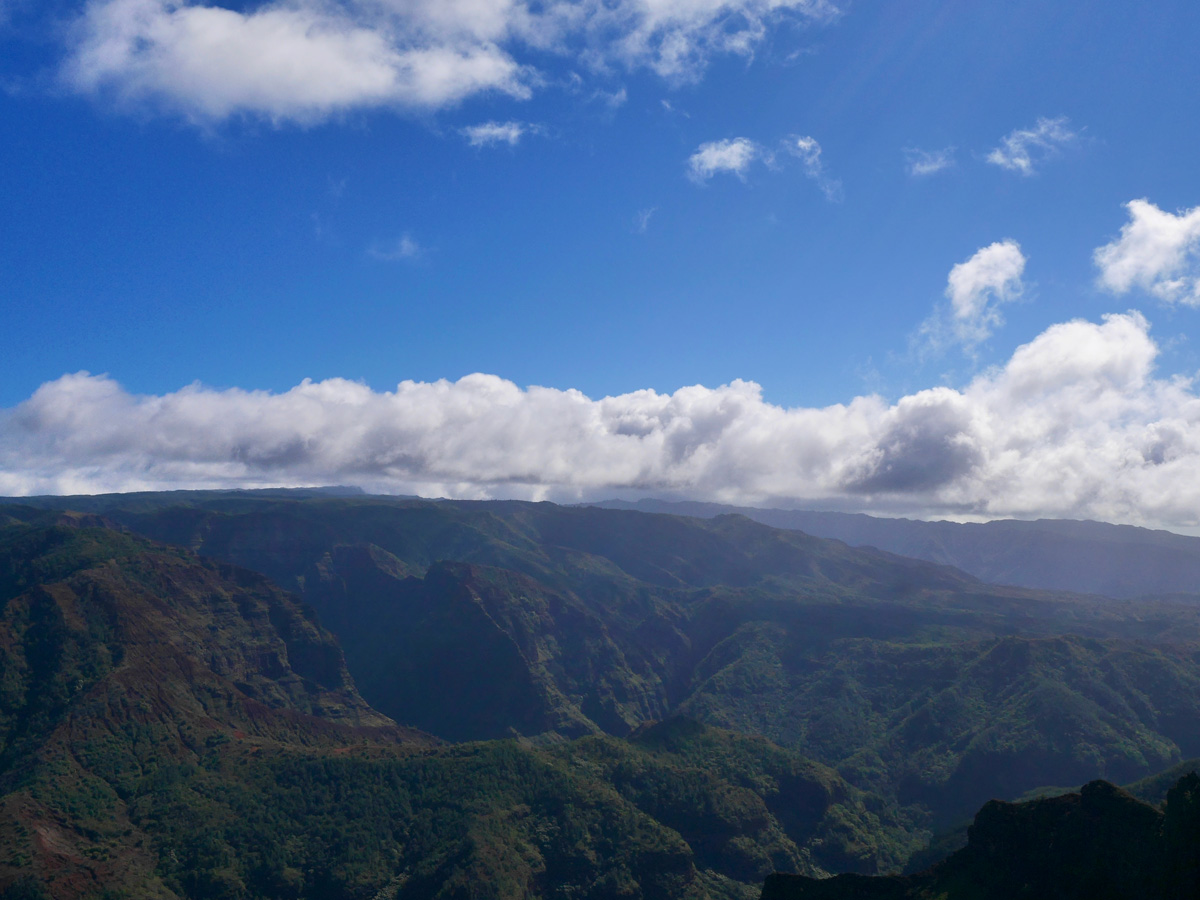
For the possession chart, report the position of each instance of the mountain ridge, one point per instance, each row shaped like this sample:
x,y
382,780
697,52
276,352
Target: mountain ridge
x,y
1050,554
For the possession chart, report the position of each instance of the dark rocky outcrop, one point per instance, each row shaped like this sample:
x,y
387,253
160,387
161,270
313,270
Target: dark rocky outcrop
x,y
1098,844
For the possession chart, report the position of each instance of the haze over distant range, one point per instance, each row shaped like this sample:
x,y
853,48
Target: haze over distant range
x,y
938,262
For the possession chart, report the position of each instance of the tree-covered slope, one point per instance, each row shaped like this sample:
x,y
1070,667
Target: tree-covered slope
x,y
175,727
477,620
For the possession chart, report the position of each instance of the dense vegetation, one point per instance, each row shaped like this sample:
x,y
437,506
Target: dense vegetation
x,y
174,727
172,724
917,682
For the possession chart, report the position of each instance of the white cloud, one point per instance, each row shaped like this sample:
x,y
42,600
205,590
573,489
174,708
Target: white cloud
x,y
1023,148
1075,424
641,221
404,247
1157,251
975,290
612,99
296,63
489,133
809,152
990,277
920,163
734,156
307,60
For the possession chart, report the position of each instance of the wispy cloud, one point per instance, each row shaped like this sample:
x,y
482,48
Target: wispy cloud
x,y
809,153
641,221
487,134
309,61
1075,424
1157,251
736,156
922,163
612,99
733,156
1025,148
404,247
975,290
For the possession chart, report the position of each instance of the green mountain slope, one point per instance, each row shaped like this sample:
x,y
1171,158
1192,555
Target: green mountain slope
x,y
118,658
174,727
480,620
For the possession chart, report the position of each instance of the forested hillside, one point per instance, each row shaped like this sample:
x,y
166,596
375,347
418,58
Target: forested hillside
x,y
545,700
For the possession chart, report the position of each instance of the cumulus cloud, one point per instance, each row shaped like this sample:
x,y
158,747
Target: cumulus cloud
x,y
1075,424
1157,251
1024,148
808,151
488,133
286,62
733,156
920,163
307,60
975,290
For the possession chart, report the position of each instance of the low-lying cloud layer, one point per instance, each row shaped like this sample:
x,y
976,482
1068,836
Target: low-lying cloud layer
x,y
1074,424
307,60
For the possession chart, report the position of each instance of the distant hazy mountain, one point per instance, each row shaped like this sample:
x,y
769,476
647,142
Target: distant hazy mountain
x,y
1052,554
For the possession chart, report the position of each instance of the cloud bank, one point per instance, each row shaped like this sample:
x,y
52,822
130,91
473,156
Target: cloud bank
x,y
308,60
1075,424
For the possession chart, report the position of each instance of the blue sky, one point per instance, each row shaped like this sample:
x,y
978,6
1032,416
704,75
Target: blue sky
x,y
613,199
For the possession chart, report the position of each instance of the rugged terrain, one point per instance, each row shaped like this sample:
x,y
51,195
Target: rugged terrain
x,y
1101,843
176,727
708,699
1053,554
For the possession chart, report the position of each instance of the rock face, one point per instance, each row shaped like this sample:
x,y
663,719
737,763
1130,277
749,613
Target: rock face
x,y
1099,844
